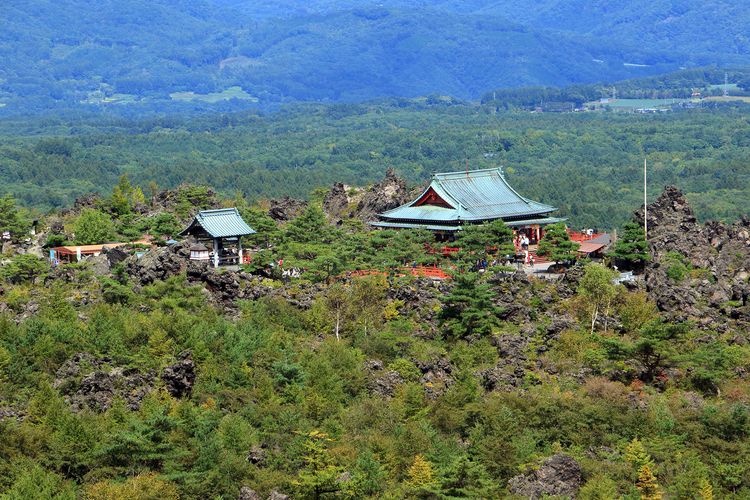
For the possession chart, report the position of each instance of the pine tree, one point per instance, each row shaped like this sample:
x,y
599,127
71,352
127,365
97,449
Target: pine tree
x,y
469,308
319,475
476,240
647,484
556,244
631,248
12,219
705,490
309,227
420,473
465,478
636,455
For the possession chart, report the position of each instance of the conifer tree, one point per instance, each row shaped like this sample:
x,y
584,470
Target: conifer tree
x,y
705,490
319,475
556,244
636,455
420,473
631,248
12,219
469,308
647,485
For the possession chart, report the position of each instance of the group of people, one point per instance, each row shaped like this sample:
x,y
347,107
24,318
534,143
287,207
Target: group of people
x,y
521,243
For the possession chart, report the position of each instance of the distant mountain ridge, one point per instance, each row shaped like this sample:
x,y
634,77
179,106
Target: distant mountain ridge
x,y
137,52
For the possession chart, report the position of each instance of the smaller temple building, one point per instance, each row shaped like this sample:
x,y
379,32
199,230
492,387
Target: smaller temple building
x,y
455,199
75,253
221,230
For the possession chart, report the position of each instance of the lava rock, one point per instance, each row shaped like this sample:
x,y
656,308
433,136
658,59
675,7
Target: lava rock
x,y
257,455
336,201
436,376
180,377
286,208
248,494
389,193
157,264
559,475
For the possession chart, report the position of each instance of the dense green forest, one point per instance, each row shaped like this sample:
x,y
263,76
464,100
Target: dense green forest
x,y
587,164
172,55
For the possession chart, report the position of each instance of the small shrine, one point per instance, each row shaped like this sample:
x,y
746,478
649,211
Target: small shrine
x,y
219,234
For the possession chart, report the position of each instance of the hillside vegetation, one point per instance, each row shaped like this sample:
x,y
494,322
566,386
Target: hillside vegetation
x,y
156,377
587,164
136,54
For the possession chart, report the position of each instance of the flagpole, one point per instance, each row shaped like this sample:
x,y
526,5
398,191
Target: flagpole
x,y
645,203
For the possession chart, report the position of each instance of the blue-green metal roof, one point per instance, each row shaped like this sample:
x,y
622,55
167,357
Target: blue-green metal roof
x,y
220,223
475,195
542,221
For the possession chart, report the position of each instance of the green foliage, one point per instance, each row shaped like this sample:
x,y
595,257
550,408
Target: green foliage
x,y
478,241
24,268
631,247
280,403
13,219
593,158
678,268
556,244
468,309
309,227
317,478
164,224
598,291
598,488
266,229
93,227
30,480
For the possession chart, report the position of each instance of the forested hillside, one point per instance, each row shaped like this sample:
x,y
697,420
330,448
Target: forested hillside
x,y
177,55
587,164
152,376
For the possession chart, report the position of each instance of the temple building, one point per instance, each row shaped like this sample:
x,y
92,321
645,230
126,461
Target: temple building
x,y
455,199
223,230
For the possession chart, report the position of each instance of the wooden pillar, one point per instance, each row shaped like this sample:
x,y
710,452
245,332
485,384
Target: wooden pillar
x,y
538,233
216,252
239,248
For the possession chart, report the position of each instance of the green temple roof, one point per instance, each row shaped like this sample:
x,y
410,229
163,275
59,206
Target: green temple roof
x,y
471,196
220,223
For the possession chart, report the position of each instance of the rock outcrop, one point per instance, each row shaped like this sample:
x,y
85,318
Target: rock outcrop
x,y
158,264
169,199
436,376
336,202
380,381
286,208
180,376
92,383
697,272
559,475
385,195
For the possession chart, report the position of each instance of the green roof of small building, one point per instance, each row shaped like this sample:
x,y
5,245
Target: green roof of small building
x,y
472,196
220,223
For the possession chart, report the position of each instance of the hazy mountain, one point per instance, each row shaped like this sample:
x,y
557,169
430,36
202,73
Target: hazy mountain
x,y
134,51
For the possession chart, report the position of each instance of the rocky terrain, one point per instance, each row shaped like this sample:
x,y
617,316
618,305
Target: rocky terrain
x,y
365,203
698,272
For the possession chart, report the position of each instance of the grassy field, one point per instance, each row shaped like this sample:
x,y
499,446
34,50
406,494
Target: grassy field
x,y
633,104
730,98
230,93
